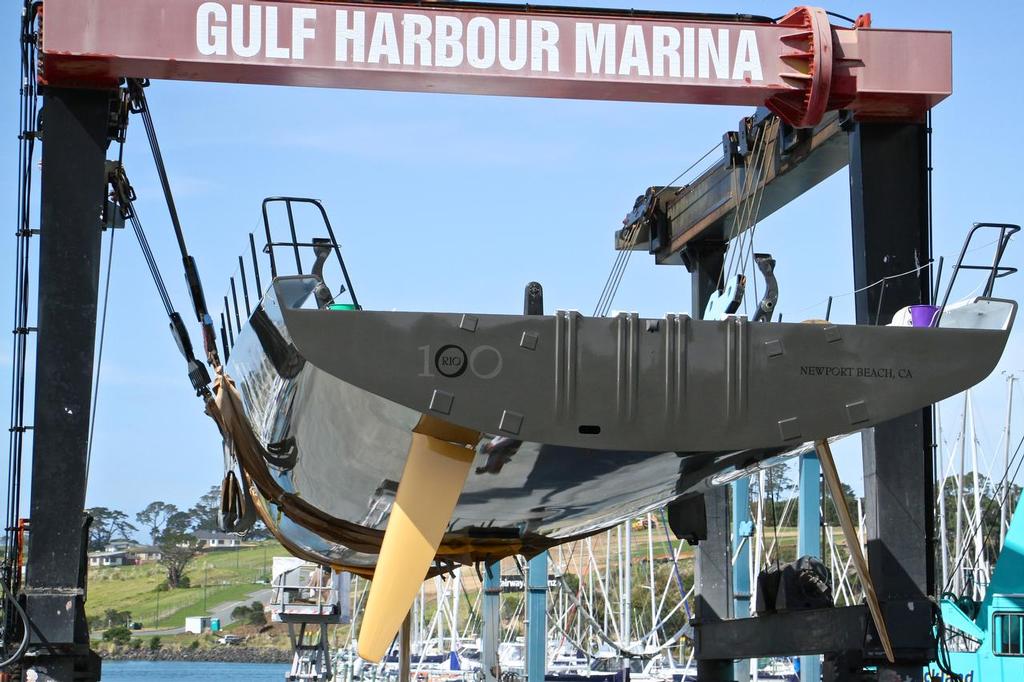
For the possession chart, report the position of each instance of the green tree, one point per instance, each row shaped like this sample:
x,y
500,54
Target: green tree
x,y
178,523
204,513
849,498
113,617
778,483
155,516
176,552
991,496
107,524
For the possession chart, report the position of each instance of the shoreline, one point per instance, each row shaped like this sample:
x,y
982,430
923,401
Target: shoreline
x,y
224,654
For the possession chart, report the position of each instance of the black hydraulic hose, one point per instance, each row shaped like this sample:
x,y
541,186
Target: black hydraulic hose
x,y
19,653
942,657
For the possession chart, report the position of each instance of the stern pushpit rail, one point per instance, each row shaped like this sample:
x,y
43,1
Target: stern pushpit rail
x,y
995,270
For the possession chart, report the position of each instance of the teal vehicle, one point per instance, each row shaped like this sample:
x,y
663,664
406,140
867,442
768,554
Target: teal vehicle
x,y
985,640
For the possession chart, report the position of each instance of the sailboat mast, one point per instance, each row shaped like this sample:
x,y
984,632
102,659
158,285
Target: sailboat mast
x,y
1005,496
941,471
650,568
977,522
958,544
626,560
456,590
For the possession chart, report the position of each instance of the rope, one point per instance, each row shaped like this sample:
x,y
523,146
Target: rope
x,y
865,288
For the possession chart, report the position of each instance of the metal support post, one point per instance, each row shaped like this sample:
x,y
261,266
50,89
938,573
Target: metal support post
x,y
891,235
72,196
704,261
741,530
808,540
536,610
491,634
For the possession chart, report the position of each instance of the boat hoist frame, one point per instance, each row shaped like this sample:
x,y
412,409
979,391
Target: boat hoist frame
x,y
800,67
693,226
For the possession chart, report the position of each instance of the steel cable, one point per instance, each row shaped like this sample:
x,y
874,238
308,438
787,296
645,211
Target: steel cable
x,y
99,358
618,269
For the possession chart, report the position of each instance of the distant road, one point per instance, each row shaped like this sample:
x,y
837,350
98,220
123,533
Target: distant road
x,y
221,611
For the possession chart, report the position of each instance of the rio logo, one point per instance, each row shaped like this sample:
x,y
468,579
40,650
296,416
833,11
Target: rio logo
x,y
451,361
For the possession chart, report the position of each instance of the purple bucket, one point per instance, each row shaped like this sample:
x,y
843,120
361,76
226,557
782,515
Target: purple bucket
x,y
922,315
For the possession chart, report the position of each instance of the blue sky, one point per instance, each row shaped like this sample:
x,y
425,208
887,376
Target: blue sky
x,y
453,203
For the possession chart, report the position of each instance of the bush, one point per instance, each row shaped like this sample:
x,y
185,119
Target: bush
x,y
251,615
154,644
135,644
119,634
184,583
194,645
162,586
113,617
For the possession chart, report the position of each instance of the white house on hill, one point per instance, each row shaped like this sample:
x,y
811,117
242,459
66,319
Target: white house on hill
x,y
211,539
108,558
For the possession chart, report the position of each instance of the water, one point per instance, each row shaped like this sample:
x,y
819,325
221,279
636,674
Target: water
x,y
175,671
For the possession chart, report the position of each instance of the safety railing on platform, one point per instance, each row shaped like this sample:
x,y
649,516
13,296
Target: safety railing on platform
x,y
244,294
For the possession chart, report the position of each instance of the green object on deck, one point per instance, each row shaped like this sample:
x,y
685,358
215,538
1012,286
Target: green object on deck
x,y
341,306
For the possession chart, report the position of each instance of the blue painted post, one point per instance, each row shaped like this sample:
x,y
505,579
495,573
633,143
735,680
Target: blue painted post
x,y
537,612
491,634
808,540
742,527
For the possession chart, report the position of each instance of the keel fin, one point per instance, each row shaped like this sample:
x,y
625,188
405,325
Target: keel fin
x,y
432,480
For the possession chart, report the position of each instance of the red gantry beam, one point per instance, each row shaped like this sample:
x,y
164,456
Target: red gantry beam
x,y
799,66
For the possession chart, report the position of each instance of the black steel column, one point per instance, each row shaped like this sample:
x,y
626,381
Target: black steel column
x,y
713,566
889,197
74,130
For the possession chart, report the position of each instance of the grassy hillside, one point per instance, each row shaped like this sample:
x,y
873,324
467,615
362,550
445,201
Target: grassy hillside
x,y
228,575
231,575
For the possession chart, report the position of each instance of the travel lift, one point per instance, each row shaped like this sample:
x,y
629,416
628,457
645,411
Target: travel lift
x,y
799,67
